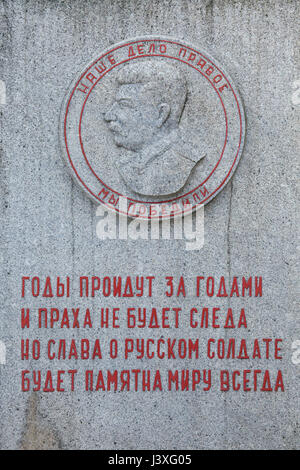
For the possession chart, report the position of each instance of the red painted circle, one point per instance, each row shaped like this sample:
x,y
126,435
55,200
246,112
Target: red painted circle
x,y
152,55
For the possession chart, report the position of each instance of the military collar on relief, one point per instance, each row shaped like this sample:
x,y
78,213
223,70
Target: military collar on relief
x,y
187,150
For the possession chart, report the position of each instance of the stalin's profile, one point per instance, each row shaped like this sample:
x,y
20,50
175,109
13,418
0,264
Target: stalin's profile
x,y
145,119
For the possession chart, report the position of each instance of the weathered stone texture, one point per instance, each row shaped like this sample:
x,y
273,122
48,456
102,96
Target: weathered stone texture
x,y
49,225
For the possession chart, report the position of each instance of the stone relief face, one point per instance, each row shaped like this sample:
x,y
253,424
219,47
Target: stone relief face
x,y
133,117
144,118
153,120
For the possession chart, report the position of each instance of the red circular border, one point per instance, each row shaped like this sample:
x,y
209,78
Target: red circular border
x,y
135,42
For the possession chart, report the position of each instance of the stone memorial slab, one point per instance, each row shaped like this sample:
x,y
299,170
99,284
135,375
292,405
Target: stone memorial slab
x,y
119,330
176,120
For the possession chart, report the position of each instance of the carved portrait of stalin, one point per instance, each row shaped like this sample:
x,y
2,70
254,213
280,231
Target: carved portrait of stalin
x,y
145,119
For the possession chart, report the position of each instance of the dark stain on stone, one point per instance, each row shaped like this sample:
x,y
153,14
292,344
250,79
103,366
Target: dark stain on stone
x,y
38,434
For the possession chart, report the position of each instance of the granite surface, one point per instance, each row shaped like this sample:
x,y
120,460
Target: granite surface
x,y
49,225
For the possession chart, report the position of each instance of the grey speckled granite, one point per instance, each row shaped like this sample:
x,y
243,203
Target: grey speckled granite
x,y
49,225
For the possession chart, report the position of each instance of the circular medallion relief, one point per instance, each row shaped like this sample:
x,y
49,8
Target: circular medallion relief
x,y
152,122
